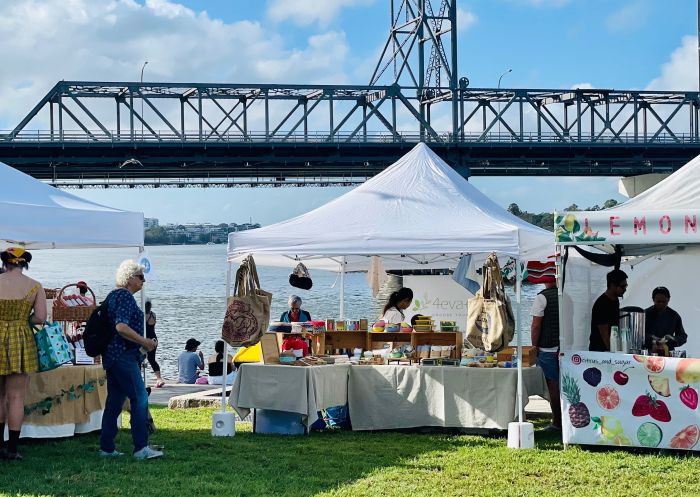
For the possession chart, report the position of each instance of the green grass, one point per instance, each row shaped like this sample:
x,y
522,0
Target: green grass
x,y
340,463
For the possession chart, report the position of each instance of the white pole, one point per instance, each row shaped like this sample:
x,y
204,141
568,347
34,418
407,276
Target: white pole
x,y
143,306
519,327
224,371
342,287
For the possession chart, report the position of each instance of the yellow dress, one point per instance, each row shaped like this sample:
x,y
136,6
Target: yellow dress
x,y
17,346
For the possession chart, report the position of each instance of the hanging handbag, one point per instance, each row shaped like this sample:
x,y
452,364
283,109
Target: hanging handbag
x,y
248,310
52,346
490,320
300,277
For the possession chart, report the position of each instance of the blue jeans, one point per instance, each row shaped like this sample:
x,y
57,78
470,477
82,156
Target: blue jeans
x,y
549,362
124,381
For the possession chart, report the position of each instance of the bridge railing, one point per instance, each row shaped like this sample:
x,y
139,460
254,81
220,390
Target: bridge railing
x,y
164,136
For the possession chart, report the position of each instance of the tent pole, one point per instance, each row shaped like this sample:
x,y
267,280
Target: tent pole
x,y
143,306
519,327
224,371
342,287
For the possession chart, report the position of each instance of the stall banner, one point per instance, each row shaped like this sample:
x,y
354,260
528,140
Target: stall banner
x,y
622,227
631,400
439,297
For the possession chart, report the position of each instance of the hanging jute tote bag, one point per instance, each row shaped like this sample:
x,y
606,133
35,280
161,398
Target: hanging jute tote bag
x,y
248,310
490,321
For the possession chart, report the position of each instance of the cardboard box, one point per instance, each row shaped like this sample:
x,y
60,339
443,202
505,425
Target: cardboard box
x,y
529,357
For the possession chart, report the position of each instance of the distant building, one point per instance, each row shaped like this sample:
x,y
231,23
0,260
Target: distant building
x,y
150,222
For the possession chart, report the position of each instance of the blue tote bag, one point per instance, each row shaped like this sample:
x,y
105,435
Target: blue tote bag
x,y
52,346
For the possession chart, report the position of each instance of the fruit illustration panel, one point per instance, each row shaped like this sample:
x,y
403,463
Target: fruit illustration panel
x,y
630,400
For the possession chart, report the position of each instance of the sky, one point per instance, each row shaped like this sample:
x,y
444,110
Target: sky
x,y
560,44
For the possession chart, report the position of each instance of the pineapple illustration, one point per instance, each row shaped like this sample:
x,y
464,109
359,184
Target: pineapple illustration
x,y
578,412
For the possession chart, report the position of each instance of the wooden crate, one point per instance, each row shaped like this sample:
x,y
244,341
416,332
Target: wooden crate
x,y
529,355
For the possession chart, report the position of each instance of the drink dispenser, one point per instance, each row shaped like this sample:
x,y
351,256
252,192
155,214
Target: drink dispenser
x,y
632,322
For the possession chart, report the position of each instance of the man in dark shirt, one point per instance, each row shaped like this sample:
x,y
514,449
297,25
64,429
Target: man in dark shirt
x,y
606,311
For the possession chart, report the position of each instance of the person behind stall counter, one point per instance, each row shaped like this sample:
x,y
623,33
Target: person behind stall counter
x,y
397,302
663,325
295,314
606,311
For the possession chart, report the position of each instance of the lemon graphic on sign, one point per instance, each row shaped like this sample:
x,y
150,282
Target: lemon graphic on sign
x,y
569,222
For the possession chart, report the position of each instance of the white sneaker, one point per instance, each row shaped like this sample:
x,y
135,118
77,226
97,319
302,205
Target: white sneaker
x,y
147,453
114,453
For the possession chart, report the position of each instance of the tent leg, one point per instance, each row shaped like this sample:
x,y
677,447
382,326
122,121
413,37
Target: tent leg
x,y
342,287
521,435
143,306
224,423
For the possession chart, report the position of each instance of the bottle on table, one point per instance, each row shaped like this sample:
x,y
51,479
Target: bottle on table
x,y
614,339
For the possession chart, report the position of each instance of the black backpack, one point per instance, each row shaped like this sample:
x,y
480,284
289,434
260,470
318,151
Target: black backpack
x,y
99,331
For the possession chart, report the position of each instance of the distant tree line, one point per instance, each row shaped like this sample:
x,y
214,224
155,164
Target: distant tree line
x,y
546,219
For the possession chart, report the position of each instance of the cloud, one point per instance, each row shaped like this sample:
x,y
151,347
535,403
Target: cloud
x,y
50,40
307,12
629,18
581,86
465,19
680,72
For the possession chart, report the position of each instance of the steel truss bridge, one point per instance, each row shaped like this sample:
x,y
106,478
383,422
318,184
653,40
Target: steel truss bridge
x,y
129,134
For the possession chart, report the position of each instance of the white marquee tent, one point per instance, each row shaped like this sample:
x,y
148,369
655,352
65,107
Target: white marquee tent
x,y
658,229
36,216
418,213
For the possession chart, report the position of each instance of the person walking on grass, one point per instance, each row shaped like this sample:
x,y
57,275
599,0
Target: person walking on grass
x,y
122,363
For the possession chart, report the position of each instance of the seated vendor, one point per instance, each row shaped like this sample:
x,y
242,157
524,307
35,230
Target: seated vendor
x,y
295,314
215,365
397,302
664,327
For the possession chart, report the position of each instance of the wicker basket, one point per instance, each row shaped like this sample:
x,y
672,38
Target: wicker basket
x,y
62,312
51,292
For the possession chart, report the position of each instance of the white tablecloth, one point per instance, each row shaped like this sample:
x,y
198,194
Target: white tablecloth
x,y
303,390
393,397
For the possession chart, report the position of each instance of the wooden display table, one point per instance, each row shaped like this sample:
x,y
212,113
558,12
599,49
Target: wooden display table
x,y
64,401
328,342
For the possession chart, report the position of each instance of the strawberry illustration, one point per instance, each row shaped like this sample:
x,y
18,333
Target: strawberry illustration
x,y
689,396
648,405
659,411
642,406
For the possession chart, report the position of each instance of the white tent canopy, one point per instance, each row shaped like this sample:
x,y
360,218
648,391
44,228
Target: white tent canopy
x,y
36,215
660,224
418,213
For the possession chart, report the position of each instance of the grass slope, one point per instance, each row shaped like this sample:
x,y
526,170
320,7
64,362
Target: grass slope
x,y
339,463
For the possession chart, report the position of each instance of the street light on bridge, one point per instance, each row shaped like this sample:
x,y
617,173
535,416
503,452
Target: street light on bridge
x,y
142,68
499,101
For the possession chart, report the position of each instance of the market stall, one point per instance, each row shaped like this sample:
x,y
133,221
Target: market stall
x,y
622,398
396,397
419,213
300,390
69,399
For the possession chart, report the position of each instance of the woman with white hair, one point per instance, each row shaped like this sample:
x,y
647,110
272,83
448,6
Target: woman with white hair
x,y
122,361
295,314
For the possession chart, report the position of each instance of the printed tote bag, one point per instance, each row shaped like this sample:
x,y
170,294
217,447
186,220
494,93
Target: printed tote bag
x,y
490,321
248,311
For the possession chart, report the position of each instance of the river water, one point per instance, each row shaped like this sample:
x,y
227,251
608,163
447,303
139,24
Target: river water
x,y
188,289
